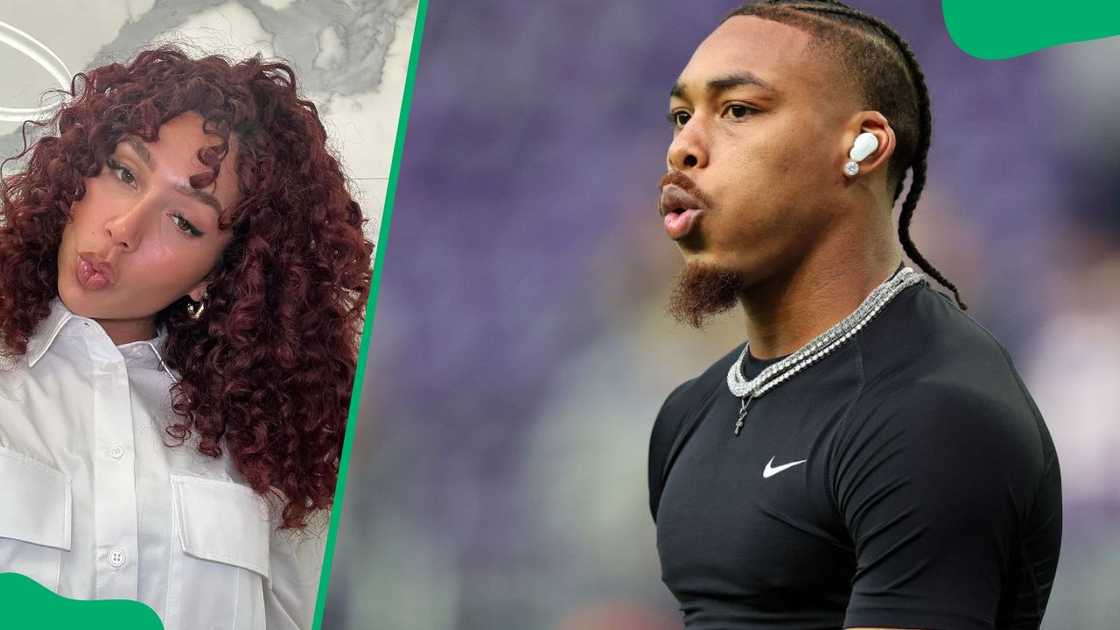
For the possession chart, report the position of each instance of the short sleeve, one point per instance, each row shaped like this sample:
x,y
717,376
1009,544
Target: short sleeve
x,y
666,429
952,500
296,561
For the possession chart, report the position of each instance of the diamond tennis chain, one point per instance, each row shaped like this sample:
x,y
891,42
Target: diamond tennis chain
x,y
816,349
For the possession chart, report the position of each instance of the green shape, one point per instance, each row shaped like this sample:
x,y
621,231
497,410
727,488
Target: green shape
x,y
1001,29
371,309
27,605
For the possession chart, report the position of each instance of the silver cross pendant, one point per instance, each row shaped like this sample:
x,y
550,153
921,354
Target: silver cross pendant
x,y
744,402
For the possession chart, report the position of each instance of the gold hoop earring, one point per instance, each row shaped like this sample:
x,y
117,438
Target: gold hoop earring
x,y
195,309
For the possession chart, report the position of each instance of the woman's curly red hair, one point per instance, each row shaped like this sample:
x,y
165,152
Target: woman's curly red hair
x,y
267,372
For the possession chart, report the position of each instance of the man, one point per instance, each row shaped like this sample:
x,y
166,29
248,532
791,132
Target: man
x,y
869,458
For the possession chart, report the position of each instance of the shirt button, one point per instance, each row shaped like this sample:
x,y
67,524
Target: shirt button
x,y
116,558
116,452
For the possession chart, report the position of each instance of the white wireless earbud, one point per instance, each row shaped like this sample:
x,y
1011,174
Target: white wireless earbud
x,y
865,144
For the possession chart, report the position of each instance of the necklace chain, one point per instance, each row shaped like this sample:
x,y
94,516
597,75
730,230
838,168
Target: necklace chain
x,y
816,349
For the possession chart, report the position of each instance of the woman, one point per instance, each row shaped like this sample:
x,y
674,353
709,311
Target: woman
x,y
182,278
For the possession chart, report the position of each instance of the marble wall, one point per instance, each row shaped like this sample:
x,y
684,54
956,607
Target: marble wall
x,y
351,57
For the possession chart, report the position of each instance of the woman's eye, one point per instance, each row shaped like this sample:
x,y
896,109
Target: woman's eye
x,y
184,225
679,118
121,172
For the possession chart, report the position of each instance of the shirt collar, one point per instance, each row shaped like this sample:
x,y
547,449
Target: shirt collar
x,y
47,331
147,353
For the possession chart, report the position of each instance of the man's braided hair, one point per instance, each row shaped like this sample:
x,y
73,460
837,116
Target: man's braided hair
x,y
891,82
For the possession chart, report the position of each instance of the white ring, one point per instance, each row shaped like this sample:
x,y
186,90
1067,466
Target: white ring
x,y
45,58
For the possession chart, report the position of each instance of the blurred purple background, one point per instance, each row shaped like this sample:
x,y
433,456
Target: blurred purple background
x,y
521,350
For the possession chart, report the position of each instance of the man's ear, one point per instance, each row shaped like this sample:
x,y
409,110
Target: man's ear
x,y
876,124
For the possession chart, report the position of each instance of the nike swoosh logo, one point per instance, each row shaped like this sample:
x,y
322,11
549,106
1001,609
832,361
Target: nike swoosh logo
x,y
772,470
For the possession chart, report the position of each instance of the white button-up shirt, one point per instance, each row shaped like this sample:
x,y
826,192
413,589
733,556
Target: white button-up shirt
x,y
95,505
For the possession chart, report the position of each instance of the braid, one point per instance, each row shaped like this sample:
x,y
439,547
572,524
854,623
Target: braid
x,y
918,163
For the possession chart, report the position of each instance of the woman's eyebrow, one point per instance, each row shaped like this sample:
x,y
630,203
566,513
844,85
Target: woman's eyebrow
x,y
203,196
141,149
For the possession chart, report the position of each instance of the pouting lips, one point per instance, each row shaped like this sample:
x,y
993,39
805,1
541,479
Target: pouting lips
x,y
675,199
93,274
679,209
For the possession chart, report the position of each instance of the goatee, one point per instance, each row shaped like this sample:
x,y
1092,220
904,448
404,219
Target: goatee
x,y
704,291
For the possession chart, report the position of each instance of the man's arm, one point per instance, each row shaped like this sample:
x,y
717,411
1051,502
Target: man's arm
x,y
953,502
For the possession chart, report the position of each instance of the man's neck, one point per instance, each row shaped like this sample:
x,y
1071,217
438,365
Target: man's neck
x,y
786,312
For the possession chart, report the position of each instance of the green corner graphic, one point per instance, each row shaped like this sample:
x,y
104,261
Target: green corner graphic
x,y
27,605
1001,29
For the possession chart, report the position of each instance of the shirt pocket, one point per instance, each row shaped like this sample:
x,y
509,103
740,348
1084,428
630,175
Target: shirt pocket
x,y
219,556
35,518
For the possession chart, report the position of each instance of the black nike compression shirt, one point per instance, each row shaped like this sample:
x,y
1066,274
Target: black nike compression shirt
x,y
905,480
